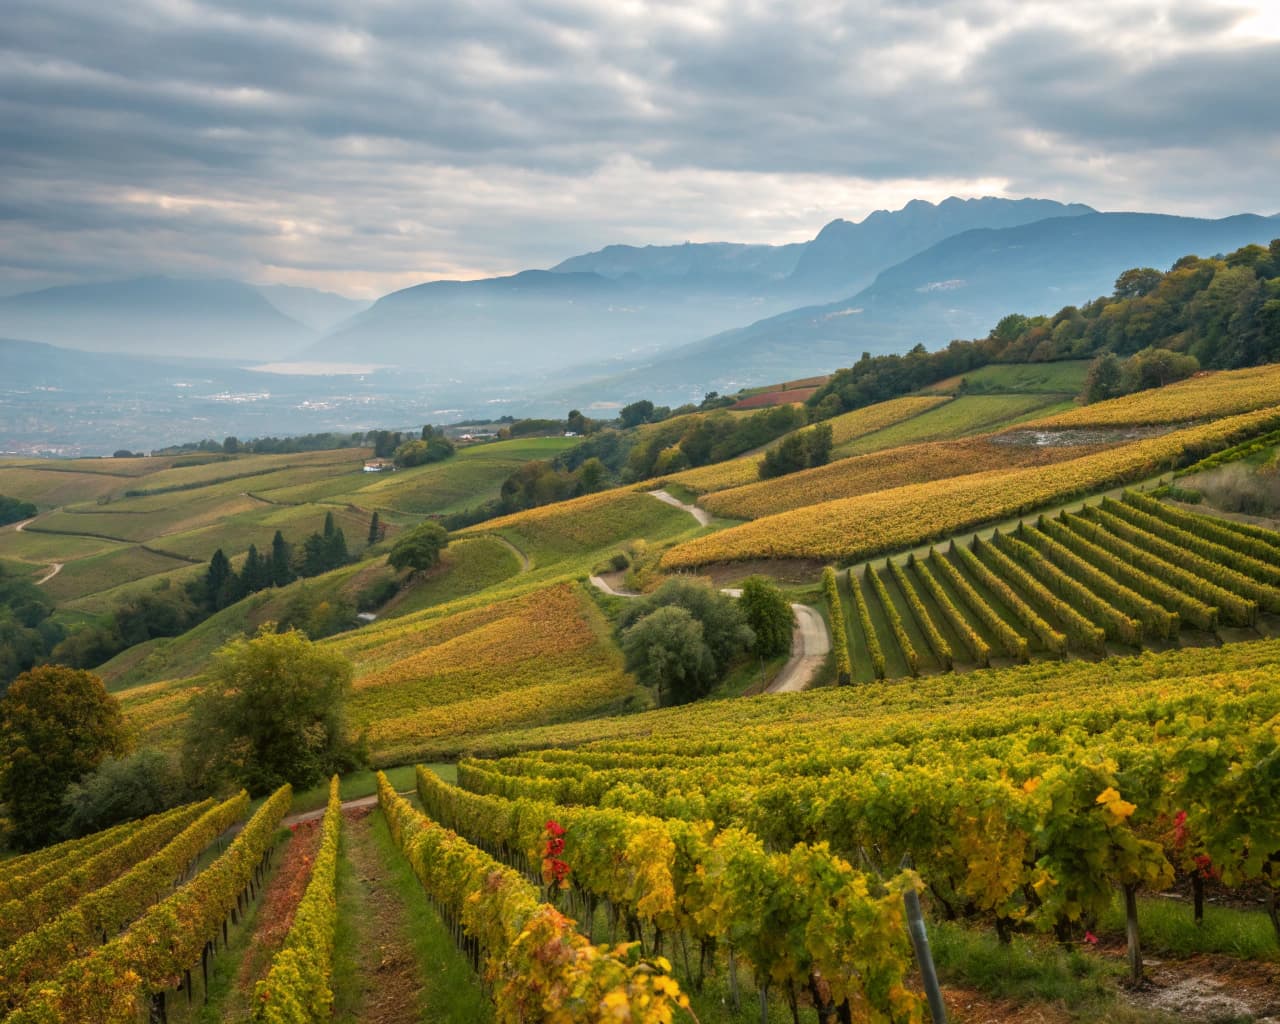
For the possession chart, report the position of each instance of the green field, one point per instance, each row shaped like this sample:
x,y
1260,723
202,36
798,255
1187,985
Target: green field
x,y
105,571
49,488
467,566
1064,378
970,414
470,478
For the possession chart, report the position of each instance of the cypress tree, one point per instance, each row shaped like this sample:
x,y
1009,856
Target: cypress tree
x,y
215,580
375,529
281,569
328,525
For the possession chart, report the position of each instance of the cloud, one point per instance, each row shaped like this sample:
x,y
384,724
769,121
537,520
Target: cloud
x,y
364,147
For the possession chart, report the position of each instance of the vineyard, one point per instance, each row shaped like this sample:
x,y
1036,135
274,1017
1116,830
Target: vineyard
x,y
1113,577
854,528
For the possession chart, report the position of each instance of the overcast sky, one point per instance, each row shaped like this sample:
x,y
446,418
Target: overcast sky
x,y
372,144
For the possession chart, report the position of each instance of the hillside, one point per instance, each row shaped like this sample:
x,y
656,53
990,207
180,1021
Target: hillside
x,y
1039,634
957,288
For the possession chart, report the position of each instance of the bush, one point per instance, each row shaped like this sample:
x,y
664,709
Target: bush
x,y
377,593
121,789
620,562
768,613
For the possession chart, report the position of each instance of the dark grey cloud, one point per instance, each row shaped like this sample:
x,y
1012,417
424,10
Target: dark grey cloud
x,y
367,146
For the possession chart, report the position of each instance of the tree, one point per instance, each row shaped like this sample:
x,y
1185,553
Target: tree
x,y
282,573
575,422
419,548
636,413
375,529
418,453
1139,281
231,445
13,510
256,571
219,581
120,789
57,724
273,712
768,613
1103,378
666,649
724,628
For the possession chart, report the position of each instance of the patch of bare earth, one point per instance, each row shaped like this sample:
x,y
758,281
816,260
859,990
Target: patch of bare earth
x,y
387,968
275,916
1210,988
969,1006
784,570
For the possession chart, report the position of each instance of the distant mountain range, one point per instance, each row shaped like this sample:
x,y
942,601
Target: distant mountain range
x,y
667,322
958,288
628,303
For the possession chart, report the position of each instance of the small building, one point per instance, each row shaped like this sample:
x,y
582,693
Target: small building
x,y
379,466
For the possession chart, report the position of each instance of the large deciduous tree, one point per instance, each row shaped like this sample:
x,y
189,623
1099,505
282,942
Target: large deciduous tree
x,y
419,548
57,725
273,712
667,650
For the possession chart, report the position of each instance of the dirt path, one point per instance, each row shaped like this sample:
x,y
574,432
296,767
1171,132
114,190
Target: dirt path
x,y
700,514
810,645
602,584
22,525
358,803
525,564
54,569
810,641
275,915
387,968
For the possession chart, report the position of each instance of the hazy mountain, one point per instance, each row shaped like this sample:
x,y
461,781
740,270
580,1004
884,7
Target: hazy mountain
x,y
630,303
847,256
535,322
321,311
958,288
710,262
156,316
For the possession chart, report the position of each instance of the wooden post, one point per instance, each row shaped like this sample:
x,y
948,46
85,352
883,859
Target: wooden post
x,y
734,1000
1197,894
157,1014
204,970
1131,934
764,1004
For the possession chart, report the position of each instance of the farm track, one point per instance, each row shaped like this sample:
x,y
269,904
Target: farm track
x,y
700,514
810,641
525,562
388,968
54,569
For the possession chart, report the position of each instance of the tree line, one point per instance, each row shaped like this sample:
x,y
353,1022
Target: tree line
x,y
1219,313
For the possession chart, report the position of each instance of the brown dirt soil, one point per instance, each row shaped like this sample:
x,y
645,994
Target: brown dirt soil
x,y
784,570
275,916
969,1006
387,968
1212,987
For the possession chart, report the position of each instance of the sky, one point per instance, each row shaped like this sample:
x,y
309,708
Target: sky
x,y
366,146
